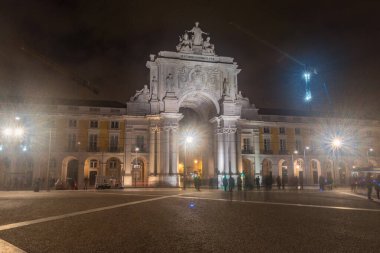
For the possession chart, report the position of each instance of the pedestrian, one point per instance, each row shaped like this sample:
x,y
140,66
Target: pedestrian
x,y
278,180
85,183
231,183
330,182
239,183
225,183
270,180
296,182
369,186
377,186
321,183
258,182
301,182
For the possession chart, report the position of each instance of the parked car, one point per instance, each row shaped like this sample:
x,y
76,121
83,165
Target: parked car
x,y
103,186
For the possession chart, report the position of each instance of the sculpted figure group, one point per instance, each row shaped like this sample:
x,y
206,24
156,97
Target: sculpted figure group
x,y
186,45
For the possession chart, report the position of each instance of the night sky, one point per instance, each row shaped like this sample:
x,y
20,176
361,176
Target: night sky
x,y
43,44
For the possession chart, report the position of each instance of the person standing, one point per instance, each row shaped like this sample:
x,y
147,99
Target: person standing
x,y
231,183
321,183
301,182
225,183
278,180
239,183
85,183
377,187
369,186
258,182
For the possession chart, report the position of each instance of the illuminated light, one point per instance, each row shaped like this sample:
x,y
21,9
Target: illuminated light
x,y
307,148
195,161
308,96
189,139
306,76
1,147
24,148
7,131
295,151
137,149
370,150
192,205
18,132
17,118
336,142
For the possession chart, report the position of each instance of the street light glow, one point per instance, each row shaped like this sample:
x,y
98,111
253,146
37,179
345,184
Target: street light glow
x,y
295,152
370,150
137,149
7,131
336,143
18,132
189,139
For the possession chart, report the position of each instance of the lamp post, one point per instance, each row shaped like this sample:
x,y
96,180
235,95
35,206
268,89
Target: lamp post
x,y
295,152
48,163
368,151
336,144
305,163
137,149
188,140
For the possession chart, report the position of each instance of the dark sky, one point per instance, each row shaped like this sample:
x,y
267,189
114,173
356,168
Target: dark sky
x,y
43,43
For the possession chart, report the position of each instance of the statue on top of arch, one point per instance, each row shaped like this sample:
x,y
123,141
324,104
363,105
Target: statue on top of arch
x,y
196,44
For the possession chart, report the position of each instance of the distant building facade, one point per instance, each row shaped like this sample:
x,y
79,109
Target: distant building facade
x,y
144,143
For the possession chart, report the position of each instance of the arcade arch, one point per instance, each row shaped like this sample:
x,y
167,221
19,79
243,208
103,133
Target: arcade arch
x,y
315,170
266,167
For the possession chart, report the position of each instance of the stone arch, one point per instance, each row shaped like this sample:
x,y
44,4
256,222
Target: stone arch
x,y
327,168
201,102
247,166
70,171
283,168
299,167
92,169
315,170
113,170
266,167
342,171
139,171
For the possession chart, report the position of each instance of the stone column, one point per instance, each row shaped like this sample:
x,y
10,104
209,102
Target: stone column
x,y
239,163
174,149
80,182
256,143
220,149
151,150
166,151
227,147
232,143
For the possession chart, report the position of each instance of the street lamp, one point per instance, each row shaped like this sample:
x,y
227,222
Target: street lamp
x,y
137,149
295,152
336,144
369,150
188,140
305,163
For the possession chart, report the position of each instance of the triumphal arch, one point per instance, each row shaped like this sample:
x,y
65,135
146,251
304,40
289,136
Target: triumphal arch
x,y
193,80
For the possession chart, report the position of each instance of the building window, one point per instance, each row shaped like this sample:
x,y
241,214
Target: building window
x,y
112,164
73,123
246,146
266,130
72,141
282,145
140,142
114,124
282,130
93,142
114,142
297,131
266,145
93,164
93,124
298,145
